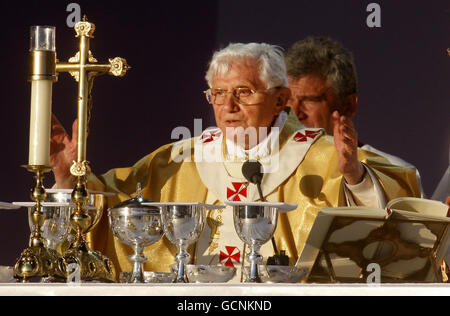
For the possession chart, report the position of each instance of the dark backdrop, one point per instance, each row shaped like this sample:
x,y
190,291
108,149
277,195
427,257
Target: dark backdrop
x,y
403,70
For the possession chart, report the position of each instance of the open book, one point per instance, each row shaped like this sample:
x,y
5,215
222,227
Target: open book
x,y
408,241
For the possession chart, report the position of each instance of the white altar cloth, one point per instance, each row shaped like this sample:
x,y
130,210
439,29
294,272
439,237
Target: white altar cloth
x,y
224,290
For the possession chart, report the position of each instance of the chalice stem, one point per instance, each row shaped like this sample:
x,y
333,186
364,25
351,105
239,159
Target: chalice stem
x,y
254,258
138,260
182,259
181,273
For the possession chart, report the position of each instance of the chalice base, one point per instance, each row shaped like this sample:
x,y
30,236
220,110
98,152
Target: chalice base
x,y
37,263
254,274
181,274
255,279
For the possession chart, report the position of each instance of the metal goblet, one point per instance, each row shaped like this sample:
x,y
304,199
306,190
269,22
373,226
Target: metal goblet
x,y
93,265
183,224
95,207
55,228
56,225
255,224
138,227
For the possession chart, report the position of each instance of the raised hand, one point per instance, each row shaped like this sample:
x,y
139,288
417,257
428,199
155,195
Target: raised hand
x,y
63,151
346,142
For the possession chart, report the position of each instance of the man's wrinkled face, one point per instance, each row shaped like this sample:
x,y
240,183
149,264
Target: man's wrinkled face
x,y
313,101
233,118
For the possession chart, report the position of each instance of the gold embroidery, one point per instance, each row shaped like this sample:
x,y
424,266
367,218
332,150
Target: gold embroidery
x,y
214,224
212,246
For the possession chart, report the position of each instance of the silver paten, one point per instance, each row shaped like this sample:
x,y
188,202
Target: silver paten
x,y
207,273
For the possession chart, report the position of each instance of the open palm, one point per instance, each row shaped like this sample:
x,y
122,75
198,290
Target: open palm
x,y
346,142
63,151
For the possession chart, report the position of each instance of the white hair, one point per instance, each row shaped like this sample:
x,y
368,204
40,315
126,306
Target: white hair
x,y
272,69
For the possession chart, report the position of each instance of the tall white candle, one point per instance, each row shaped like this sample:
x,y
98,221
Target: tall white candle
x,y
40,122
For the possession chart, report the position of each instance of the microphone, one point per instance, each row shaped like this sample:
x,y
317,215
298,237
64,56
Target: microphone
x,y
253,172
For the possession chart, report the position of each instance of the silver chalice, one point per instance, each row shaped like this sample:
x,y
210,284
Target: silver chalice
x,y
183,224
56,225
255,224
95,207
55,228
139,226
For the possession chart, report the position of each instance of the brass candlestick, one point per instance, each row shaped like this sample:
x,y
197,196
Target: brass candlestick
x,y
38,261
94,266
84,68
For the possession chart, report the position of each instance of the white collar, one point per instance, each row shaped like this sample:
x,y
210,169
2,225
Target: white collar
x,y
267,146
278,166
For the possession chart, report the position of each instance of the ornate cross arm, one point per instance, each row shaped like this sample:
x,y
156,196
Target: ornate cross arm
x,y
117,67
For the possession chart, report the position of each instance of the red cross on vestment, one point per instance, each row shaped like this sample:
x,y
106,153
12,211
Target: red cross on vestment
x,y
239,189
301,138
208,137
231,257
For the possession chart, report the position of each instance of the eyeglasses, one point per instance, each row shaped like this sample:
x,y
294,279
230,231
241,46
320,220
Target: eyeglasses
x,y
243,95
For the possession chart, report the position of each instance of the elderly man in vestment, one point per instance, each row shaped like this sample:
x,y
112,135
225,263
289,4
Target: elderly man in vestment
x,y
248,90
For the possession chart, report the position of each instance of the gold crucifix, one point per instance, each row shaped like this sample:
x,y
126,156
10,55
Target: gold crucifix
x,y
84,68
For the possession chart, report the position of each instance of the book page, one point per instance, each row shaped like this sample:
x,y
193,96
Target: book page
x,y
417,231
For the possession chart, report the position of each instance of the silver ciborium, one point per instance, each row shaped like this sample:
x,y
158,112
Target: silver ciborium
x,y
137,226
255,224
183,224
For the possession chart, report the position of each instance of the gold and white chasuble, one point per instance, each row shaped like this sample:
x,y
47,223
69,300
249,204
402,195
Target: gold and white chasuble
x,y
302,169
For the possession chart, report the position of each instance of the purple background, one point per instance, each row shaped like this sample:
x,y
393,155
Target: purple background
x,y
403,69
